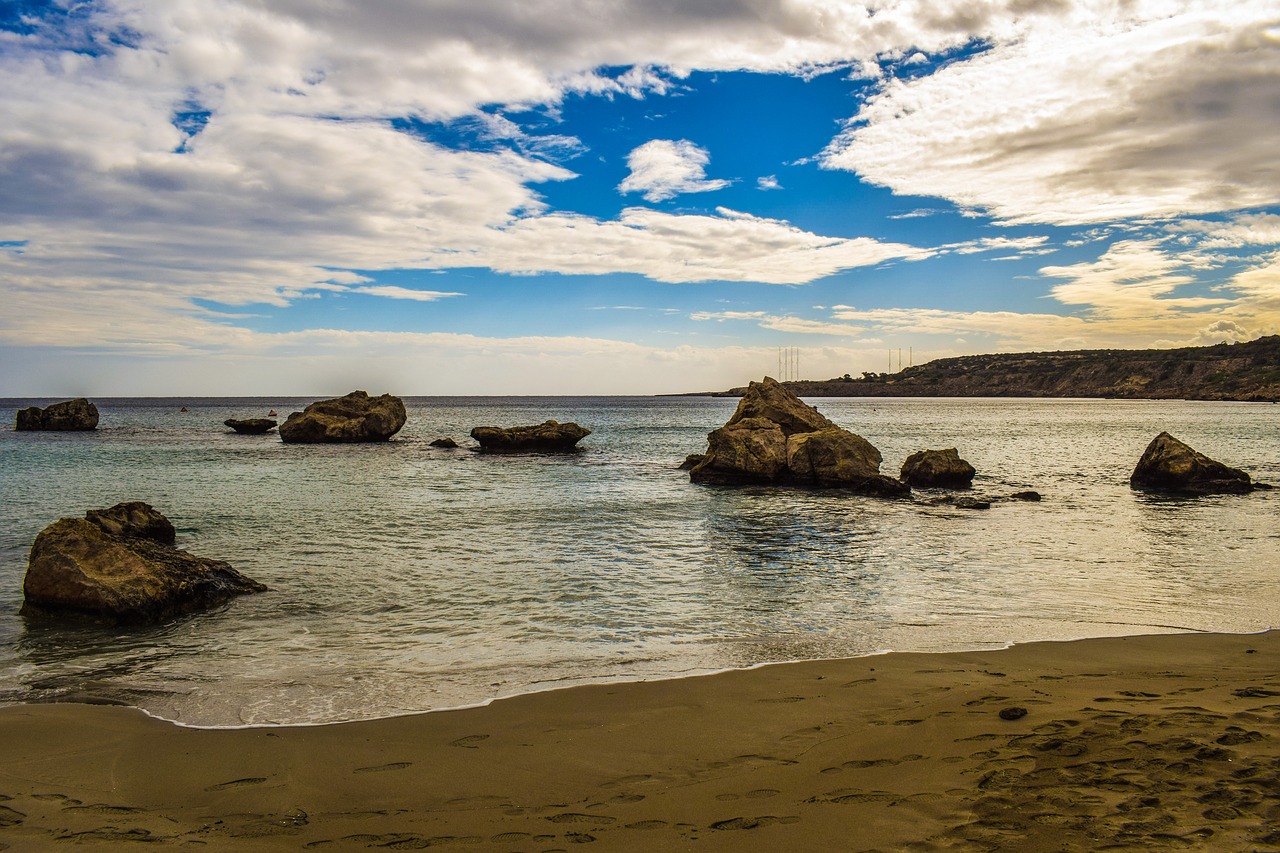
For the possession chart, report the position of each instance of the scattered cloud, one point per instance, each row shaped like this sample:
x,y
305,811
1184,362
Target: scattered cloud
x,y
664,168
768,182
391,291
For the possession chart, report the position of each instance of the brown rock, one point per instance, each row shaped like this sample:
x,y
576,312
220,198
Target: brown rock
x,y
773,437
71,415
937,468
445,442
251,426
690,462
357,417
546,437
113,567
1172,467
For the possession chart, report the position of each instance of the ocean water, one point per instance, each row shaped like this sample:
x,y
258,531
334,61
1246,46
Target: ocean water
x,y
405,578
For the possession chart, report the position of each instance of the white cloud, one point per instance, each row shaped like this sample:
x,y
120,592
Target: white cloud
x,y
665,168
768,182
1116,109
391,291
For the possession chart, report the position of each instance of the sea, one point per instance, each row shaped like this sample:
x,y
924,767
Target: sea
x,y
407,578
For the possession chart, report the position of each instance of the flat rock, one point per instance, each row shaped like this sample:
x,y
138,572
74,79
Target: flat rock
x,y
70,415
357,417
115,566
251,426
445,442
548,436
937,469
1171,467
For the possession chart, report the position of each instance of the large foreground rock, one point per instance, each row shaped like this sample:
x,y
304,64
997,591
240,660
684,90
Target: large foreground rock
x,y
354,418
251,426
775,438
937,468
77,414
1172,467
548,436
115,566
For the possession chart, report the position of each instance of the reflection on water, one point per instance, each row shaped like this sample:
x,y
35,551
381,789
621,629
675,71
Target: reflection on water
x,y
405,577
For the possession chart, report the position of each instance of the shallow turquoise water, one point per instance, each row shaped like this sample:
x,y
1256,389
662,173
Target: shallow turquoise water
x,y
405,577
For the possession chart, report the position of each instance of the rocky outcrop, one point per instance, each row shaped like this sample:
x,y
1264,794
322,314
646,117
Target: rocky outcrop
x,y
775,438
251,426
546,437
690,462
357,417
937,469
71,415
1171,467
119,566
446,442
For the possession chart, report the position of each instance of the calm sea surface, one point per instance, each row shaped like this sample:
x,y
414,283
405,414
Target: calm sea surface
x,y
405,578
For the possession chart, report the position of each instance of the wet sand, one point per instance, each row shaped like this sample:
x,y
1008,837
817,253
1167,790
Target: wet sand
x,y
1141,743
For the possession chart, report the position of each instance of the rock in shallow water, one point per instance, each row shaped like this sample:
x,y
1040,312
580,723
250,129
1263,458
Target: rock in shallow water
x,y
357,417
548,436
251,426
937,468
71,415
1171,467
115,566
775,438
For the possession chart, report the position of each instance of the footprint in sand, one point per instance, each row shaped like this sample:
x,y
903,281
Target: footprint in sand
x,y
646,824
577,817
382,768
469,742
237,783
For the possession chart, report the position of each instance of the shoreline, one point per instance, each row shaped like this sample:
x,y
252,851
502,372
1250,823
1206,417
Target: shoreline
x,y
1158,741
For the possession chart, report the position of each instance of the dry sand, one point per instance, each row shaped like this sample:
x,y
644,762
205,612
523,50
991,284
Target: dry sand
x,y
1165,742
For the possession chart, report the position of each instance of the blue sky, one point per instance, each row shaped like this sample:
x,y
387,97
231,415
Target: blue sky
x,y
242,197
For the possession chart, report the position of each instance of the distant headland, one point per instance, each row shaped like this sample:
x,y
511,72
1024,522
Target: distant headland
x,y
1243,371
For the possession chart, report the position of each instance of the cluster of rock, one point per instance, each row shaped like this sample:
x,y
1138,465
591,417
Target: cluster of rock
x,y
775,438
546,437
70,415
120,565
357,417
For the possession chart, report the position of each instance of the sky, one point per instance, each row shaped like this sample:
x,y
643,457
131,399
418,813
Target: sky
x,y
258,197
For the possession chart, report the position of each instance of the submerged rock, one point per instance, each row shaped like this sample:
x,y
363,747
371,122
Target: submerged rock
x,y
937,468
775,438
70,415
357,417
445,442
1171,467
118,565
251,426
548,436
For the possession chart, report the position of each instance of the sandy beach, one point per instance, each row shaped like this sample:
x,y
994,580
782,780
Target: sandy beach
x,y
1158,742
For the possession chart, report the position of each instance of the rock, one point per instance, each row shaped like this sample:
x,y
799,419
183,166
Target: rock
x,y
1013,713
967,502
774,438
134,520
77,414
690,462
444,442
251,426
1171,467
357,417
548,436
116,566
1025,496
937,468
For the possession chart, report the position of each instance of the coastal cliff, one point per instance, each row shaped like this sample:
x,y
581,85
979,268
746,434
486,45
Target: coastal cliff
x,y
1244,371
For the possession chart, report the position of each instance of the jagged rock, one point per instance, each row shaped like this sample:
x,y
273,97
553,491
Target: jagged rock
x,y
548,436
774,437
357,417
444,442
690,462
78,414
937,468
251,426
116,566
1172,467
134,520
